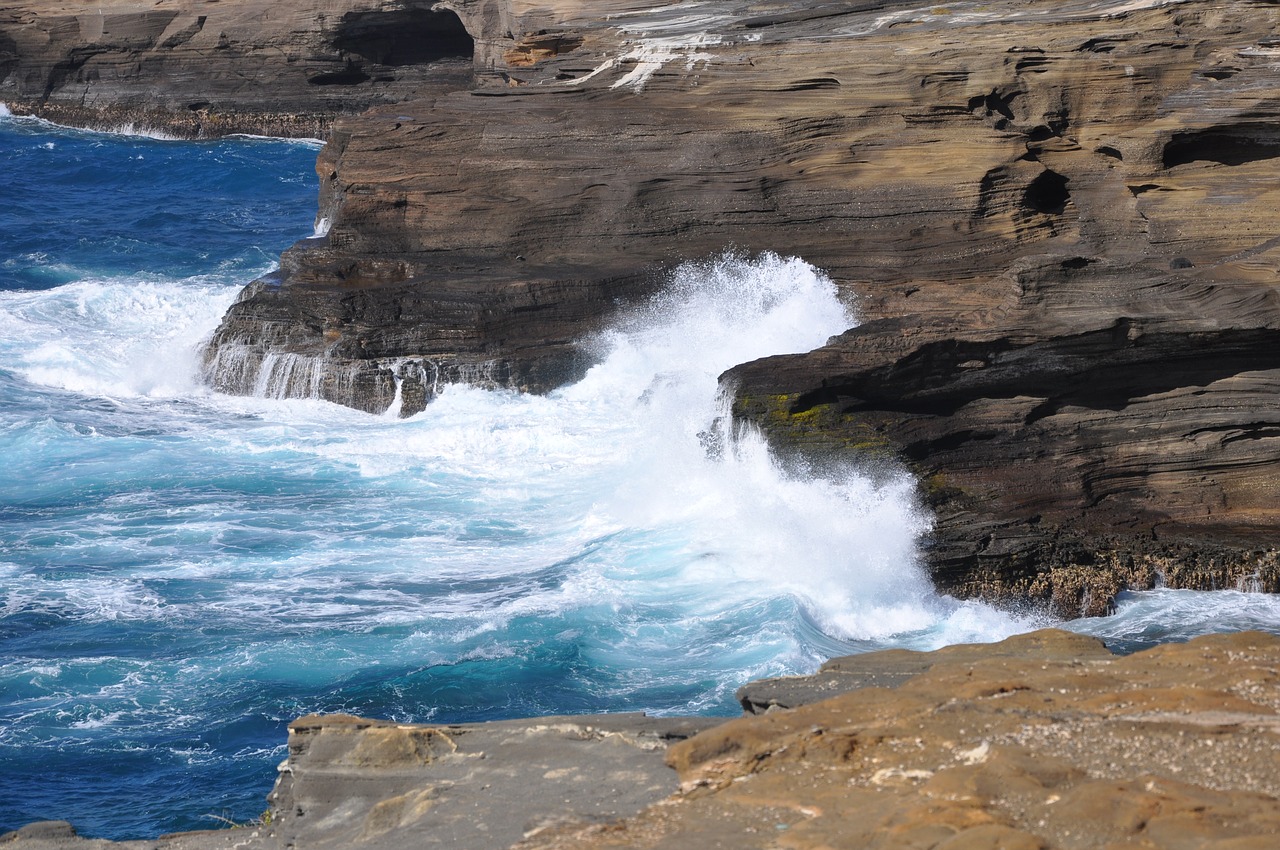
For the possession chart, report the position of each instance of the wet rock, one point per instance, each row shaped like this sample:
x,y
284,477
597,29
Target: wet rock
x,y
1065,464
396,342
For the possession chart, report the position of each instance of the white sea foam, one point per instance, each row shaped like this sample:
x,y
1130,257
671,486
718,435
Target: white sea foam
x,y
140,131
613,474
454,535
112,337
98,719
308,142
125,129
1152,616
94,599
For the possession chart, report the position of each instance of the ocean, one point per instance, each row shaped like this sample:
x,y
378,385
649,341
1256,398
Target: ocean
x,y
182,573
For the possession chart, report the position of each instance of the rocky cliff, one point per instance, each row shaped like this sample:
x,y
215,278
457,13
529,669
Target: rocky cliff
x,y
1058,220
213,67
1043,741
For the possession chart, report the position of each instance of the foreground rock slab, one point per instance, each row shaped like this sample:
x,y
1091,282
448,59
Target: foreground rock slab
x,y
351,781
1042,741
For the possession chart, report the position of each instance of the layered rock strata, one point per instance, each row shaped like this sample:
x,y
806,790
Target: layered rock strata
x,y
1043,741
196,68
1057,219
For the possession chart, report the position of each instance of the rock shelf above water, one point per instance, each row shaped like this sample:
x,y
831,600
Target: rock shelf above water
x,y
1043,741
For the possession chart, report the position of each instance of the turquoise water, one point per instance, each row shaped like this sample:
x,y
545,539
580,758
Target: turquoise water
x,y
181,573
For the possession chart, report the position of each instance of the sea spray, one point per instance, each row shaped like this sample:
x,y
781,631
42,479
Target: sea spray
x,y
113,337
182,573
840,545
210,566
1146,618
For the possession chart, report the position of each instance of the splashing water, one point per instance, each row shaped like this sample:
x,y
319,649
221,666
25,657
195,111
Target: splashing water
x,y
181,573
208,567
184,572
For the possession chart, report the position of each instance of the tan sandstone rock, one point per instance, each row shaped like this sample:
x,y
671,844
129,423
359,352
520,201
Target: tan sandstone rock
x,y
1047,742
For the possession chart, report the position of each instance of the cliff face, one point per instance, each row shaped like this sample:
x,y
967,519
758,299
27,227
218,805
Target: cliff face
x,y
205,67
1058,220
1089,404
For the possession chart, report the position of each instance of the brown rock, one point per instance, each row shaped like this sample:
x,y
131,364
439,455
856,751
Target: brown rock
x,y
1026,747
193,68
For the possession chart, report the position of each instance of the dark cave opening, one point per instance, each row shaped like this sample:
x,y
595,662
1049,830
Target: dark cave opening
x,y
8,56
1224,145
401,37
1048,193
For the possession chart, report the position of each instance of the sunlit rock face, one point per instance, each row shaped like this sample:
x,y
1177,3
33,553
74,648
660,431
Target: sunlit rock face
x,y
1057,220
1042,741
193,68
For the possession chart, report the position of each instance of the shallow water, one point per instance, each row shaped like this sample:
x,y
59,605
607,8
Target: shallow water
x,y
181,573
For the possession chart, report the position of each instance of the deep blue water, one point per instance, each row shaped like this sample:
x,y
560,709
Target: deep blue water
x,y
182,573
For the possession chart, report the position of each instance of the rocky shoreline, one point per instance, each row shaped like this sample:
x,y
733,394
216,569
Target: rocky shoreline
x,y
1044,740
1054,217
1057,221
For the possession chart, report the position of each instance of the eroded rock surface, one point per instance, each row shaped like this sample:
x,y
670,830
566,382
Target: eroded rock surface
x,y
1042,741
213,67
1057,220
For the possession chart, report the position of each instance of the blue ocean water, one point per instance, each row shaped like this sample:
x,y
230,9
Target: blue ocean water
x,y
181,573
